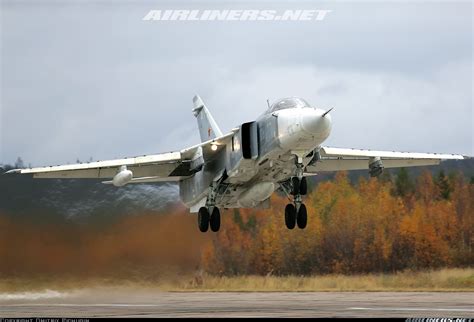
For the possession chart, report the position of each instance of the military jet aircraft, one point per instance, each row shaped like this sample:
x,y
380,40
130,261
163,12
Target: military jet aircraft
x,y
242,168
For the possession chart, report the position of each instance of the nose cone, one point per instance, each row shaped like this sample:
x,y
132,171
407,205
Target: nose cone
x,y
315,124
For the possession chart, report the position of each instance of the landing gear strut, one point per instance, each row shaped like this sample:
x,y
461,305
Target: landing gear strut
x,y
296,214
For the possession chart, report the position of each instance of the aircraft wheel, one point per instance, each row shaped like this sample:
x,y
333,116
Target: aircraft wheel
x,y
302,217
215,221
290,216
295,182
303,186
203,219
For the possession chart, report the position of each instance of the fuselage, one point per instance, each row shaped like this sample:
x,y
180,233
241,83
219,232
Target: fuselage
x,y
290,128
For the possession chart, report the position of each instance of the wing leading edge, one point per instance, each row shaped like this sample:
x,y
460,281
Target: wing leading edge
x,y
338,159
163,165
170,166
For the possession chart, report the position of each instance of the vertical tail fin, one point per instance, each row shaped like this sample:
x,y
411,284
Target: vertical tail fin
x,y
208,128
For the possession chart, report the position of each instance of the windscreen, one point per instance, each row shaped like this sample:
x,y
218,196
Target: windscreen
x,y
291,102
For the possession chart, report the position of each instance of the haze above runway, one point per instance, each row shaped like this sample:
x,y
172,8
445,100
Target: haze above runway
x,y
126,302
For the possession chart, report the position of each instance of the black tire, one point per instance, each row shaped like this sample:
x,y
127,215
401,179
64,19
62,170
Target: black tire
x,y
215,221
303,186
302,217
290,216
203,219
295,183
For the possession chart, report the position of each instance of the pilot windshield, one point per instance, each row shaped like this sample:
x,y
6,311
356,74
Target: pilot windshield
x,y
285,103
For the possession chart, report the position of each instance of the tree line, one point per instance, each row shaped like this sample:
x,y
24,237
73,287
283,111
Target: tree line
x,y
373,225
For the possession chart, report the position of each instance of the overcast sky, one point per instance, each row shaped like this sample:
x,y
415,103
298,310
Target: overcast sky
x,y
95,80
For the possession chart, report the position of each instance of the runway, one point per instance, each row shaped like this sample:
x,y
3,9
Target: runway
x,y
151,303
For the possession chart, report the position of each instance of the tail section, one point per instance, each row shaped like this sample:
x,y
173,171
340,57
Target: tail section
x,y
208,128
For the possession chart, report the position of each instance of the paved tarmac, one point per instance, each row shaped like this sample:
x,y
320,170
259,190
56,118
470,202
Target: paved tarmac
x,y
151,303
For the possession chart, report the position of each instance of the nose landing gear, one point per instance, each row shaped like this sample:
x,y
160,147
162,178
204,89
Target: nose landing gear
x,y
295,213
290,216
302,217
299,186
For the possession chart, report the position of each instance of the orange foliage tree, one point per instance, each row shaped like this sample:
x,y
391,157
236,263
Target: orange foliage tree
x,y
371,226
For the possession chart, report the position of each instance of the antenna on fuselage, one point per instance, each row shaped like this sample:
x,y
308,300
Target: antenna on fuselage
x,y
268,103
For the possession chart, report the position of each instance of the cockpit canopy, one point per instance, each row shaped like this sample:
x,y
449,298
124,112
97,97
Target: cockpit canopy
x,y
290,102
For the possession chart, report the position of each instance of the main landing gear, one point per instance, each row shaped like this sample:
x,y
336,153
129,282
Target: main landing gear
x,y
295,213
208,219
210,216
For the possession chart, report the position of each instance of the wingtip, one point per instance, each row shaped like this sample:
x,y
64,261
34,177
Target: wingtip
x,y
12,171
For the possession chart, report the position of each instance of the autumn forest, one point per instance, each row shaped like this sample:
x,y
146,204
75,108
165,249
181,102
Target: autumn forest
x,y
375,225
